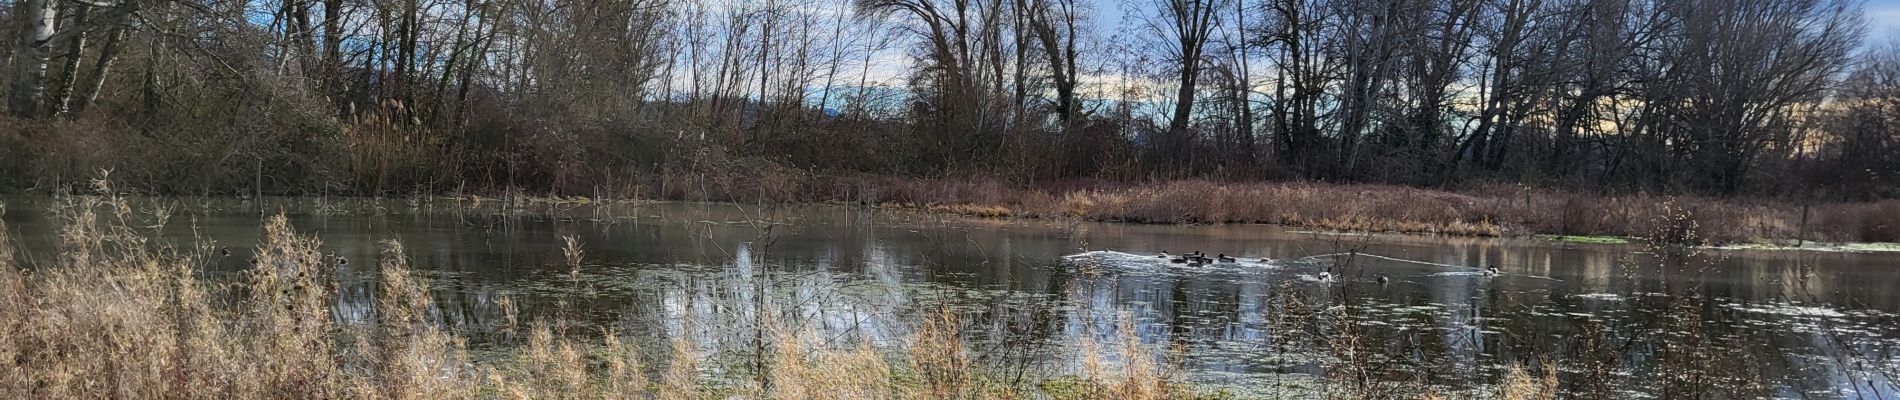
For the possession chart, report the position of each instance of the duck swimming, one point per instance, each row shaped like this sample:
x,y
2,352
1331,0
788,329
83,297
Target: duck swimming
x,y
1224,258
1491,271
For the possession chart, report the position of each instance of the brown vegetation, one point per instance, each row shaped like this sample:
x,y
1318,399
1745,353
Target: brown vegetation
x,y
1482,211
122,314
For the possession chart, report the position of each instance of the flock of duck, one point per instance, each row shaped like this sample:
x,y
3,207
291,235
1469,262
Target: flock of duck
x,y
1197,258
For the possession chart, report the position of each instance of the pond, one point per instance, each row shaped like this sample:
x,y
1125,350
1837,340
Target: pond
x,y
1295,311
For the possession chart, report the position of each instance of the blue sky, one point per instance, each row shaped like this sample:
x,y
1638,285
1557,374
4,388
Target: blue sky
x,y
1883,20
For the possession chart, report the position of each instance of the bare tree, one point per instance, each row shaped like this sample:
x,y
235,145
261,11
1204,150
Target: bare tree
x,y
36,22
1187,25
961,71
1054,25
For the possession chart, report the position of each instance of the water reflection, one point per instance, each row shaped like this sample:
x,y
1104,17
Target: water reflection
x,y
1806,324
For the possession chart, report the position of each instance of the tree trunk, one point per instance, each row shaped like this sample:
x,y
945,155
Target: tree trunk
x,y
107,55
406,56
149,93
60,96
332,68
1184,98
36,18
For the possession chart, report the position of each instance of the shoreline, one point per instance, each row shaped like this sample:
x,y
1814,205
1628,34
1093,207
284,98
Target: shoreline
x,y
1689,223
1486,211
1489,211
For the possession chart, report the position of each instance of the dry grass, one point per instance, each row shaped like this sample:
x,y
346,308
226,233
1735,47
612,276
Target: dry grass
x,y
802,370
974,210
1486,211
1140,376
121,315
1521,385
1518,384
1482,211
385,155
938,358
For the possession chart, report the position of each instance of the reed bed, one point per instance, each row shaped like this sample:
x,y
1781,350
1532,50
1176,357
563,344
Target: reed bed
x,y
1485,211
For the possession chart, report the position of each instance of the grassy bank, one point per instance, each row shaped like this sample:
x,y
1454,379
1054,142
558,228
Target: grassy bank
x,y
1490,210
1482,211
121,313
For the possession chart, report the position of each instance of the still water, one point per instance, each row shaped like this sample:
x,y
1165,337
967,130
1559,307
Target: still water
x,y
1297,310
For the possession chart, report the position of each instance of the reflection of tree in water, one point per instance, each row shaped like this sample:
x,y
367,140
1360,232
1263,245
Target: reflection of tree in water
x,y
1669,338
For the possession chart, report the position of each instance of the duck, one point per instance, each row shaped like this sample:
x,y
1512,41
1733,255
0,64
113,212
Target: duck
x,y
1164,254
1327,275
224,251
1179,260
342,261
1383,280
1224,258
1491,271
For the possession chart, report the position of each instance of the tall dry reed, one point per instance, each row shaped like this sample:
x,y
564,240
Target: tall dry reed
x,y
118,313
1487,211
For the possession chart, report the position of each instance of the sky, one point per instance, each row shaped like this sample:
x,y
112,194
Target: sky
x,y
1883,20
